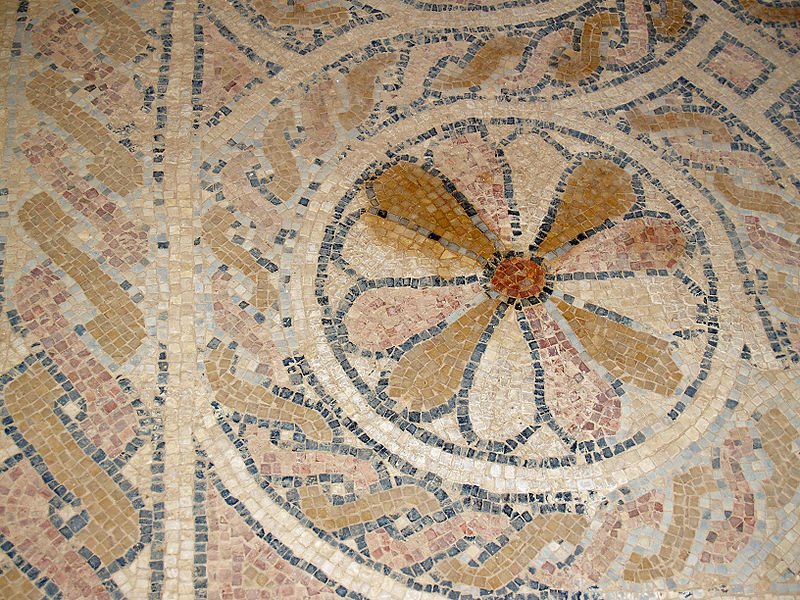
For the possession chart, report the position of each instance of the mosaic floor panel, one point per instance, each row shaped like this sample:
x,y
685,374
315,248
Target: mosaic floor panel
x,y
399,299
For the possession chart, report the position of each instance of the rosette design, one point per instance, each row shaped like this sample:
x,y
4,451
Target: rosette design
x,y
499,335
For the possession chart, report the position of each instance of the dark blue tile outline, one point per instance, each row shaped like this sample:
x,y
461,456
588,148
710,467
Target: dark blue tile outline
x,y
200,517
205,475
3,192
536,93
473,496
472,6
474,499
535,29
350,425
111,467
363,286
158,462
270,68
157,470
790,101
360,14
428,164
50,590
378,399
462,395
771,30
326,410
729,40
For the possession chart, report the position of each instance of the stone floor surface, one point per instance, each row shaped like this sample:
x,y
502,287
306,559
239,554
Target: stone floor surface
x,y
399,299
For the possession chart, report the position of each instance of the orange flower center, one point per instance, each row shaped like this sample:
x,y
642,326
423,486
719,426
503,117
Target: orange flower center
x,y
518,277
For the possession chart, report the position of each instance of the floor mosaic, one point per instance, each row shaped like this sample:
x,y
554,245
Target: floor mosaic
x,y
405,299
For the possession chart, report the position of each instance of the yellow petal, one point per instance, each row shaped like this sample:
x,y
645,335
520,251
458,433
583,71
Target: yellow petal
x,y
408,192
431,372
636,357
597,190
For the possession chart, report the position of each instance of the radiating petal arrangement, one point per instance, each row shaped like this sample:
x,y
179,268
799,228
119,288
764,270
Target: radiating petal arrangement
x,y
442,329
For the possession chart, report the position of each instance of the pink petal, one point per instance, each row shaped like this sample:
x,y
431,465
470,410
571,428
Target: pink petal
x,y
469,162
384,317
635,245
581,401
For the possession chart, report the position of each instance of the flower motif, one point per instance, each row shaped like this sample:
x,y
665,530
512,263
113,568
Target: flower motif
x,y
498,340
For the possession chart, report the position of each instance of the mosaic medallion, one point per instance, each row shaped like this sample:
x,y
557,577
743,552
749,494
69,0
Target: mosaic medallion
x,y
543,326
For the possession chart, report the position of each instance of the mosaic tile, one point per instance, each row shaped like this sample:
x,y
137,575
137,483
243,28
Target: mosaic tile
x,y
785,112
401,299
777,22
743,69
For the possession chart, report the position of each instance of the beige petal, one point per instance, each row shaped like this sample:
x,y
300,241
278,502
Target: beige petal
x,y
663,303
502,400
